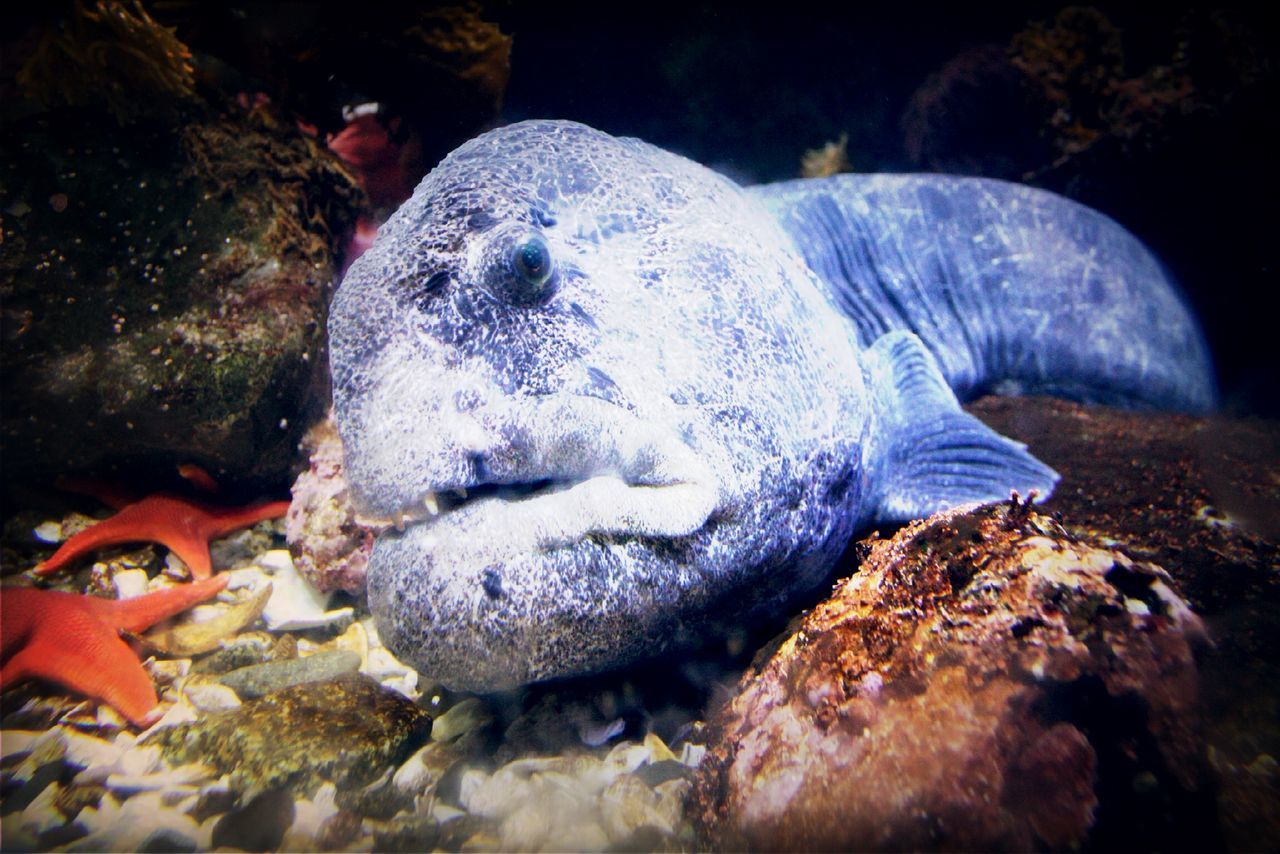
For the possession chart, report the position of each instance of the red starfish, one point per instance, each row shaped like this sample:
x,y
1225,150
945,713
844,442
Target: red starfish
x,y
75,641
184,525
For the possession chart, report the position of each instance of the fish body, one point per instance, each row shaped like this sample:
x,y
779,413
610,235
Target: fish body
x,y
609,397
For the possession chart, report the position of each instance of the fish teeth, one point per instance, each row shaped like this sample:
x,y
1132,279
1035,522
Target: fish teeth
x,y
461,492
432,504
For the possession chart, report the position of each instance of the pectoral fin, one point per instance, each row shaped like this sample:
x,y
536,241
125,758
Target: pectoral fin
x,y
937,456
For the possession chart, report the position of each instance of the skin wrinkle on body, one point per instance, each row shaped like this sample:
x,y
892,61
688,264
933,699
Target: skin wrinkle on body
x,y
713,389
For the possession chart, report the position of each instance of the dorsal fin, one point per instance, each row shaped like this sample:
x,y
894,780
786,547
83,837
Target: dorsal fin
x,y
937,456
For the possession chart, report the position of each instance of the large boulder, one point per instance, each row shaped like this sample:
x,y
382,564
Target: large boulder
x,y
985,681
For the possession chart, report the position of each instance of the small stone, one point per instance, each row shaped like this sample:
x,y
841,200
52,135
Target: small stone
x,y
338,831
348,731
168,839
129,583
210,696
310,816
628,804
259,680
17,742
128,825
259,825
240,651
295,604
462,718
41,815
423,770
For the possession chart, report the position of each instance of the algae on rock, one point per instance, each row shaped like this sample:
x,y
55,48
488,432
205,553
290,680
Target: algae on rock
x,y
164,287
346,731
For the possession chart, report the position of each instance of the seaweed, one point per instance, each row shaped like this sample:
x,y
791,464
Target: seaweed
x,y
110,54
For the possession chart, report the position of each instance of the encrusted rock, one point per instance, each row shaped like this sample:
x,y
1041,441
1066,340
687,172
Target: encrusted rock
x,y
1201,498
984,681
347,731
329,543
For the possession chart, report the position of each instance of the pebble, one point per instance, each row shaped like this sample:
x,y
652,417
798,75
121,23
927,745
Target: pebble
x,y
422,772
464,717
346,731
258,680
48,532
259,825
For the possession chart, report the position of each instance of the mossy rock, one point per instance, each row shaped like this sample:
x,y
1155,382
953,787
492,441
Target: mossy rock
x,y
347,731
164,287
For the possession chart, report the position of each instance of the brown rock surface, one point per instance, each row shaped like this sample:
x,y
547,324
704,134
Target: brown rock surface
x,y
1201,498
984,681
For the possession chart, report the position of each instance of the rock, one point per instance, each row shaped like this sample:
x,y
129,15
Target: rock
x,y
295,604
244,650
463,719
985,681
347,731
420,62
1200,497
142,822
164,286
258,680
422,772
329,543
259,825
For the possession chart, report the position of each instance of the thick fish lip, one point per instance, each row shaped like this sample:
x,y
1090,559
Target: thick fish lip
x,y
554,513
604,468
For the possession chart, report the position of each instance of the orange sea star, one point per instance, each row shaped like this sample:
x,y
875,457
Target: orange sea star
x,y
75,641
184,525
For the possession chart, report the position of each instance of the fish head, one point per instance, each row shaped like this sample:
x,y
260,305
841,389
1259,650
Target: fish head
x,y
594,389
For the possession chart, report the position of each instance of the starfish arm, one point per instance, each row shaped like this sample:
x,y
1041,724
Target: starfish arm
x,y
71,646
183,526
224,520
139,522
142,612
102,667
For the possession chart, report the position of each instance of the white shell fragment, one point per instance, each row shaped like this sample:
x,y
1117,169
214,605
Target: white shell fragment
x,y
48,532
294,603
129,583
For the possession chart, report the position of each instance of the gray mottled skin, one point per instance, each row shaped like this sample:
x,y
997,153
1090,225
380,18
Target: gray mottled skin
x,y
714,391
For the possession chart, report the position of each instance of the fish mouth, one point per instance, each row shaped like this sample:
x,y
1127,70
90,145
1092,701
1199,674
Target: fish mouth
x,y
547,513
554,471
542,557
520,582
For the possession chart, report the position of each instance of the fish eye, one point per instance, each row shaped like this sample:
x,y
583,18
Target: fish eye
x,y
534,268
